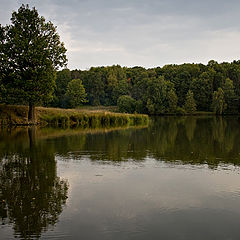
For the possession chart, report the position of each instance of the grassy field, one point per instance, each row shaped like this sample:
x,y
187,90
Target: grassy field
x,y
84,117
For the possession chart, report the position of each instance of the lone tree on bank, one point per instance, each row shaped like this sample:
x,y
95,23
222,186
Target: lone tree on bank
x,y
30,54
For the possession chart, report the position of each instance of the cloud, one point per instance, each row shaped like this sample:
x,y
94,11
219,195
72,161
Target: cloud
x,y
138,32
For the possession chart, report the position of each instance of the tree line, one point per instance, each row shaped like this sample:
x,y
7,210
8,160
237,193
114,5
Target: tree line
x,y
31,54
171,89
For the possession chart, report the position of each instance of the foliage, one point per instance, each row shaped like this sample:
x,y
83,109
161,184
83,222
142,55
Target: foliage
x,y
161,90
180,111
76,93
172,101
31,52
62,80
218,102
159,98
230,96
190,105
126,103
202,89
94,85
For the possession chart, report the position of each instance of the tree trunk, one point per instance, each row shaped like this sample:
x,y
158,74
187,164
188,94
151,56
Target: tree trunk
x,y
31,114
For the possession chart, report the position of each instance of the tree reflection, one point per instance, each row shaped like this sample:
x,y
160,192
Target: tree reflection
x,y
191,140
31,194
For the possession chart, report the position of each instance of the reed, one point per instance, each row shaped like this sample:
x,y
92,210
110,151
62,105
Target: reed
x,y
17,115
94,120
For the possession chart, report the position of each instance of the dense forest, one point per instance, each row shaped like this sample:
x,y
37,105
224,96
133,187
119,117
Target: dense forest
x,y
171,89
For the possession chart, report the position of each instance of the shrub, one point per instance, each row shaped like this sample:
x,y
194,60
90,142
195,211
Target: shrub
x,y
180,111
126,103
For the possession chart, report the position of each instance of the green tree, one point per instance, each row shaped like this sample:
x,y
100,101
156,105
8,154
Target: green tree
x,y
31,52
218,101
94,85
190,105
126,103
230,96
202,88
76,93
158,95
172,101
62,80
138,79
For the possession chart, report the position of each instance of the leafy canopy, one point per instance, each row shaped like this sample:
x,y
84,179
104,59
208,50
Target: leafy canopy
x,y
30,54
190,105
76,93
126,103
218,101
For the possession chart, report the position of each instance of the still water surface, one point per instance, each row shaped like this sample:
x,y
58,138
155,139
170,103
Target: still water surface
x,y
178,178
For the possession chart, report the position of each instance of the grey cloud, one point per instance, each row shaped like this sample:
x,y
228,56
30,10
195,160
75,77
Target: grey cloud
x,y
140,32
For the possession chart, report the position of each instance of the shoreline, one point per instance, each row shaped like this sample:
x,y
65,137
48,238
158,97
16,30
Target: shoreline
x,y
16,115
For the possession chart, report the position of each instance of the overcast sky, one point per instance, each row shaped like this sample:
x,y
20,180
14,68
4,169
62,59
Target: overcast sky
x,y
145,33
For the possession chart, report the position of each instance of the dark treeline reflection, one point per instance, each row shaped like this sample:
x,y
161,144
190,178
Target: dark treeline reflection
x,y
195,140
31,194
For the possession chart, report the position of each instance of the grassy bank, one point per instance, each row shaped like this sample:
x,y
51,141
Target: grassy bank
x,y
94,118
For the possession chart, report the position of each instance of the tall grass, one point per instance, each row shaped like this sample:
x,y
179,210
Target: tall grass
x,y
17,115
94,120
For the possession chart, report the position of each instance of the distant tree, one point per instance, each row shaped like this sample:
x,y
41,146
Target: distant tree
x,y
111,83
218,101
230,96
30,54
76,93
62,80
233,70
138,78
94,84
126,104
172,101
202,88
190,105
158,95
122,88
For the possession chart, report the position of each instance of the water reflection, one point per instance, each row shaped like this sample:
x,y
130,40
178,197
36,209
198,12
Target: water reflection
x,y
31,194
196,140
190,140
210,140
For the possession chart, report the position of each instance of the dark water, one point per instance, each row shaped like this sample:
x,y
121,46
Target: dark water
x,y
176,179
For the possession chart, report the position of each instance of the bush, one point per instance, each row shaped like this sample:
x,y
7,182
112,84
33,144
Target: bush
x,y
126,103
140,107
180,111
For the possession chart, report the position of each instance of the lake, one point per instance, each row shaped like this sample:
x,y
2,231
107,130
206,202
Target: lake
x,y
178,178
